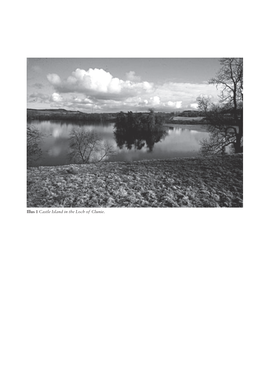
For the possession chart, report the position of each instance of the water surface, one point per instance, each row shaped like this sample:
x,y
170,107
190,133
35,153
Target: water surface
x,y
178,141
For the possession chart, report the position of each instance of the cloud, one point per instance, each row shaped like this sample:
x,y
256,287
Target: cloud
x,y
56,97
98,83
137,103
98,90
45,98
174,105
54,79
36,68
131,75
154,100
39,97
38,85
182,95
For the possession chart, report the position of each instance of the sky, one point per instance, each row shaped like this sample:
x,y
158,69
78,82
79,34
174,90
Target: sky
x,y
119,84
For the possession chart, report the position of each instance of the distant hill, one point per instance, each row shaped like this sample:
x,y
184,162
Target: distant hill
x,y
62,114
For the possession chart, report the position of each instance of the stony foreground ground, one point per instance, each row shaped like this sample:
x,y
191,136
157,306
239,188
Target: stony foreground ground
x,y
215,181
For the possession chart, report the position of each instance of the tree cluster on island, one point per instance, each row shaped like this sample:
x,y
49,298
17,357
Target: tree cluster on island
x,y
139,129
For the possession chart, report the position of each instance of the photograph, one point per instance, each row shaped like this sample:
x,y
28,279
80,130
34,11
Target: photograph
x,y
123,127
134,132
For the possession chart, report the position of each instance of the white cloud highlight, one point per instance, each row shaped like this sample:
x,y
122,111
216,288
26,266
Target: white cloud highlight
x,y
175,105
99,84
155,100
56,97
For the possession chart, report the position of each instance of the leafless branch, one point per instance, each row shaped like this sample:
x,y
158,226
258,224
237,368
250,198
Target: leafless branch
x,y
87,147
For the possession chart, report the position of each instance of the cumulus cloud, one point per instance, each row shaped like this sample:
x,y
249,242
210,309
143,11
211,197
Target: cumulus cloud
x,y
98,90
54,79
174,105
56,97
154,100
98,83
131,75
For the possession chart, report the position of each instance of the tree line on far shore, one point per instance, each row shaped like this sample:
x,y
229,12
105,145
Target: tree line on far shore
x,y
67,115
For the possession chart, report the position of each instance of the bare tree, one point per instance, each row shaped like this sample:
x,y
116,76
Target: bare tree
x,y
230,80
225,119
87,147
34,138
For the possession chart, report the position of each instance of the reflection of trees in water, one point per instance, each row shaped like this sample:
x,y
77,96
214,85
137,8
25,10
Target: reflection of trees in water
x,y
138,129
86,147
34,138
79,123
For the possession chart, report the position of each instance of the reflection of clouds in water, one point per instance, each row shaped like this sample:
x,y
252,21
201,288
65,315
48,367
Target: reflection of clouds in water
x,y
55,129
177,131
54,151
57,132
181,140
61,131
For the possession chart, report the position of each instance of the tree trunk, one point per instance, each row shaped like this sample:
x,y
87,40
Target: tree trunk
x,y
237,145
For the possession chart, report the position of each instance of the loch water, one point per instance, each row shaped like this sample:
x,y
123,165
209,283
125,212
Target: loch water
x,y
179,140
